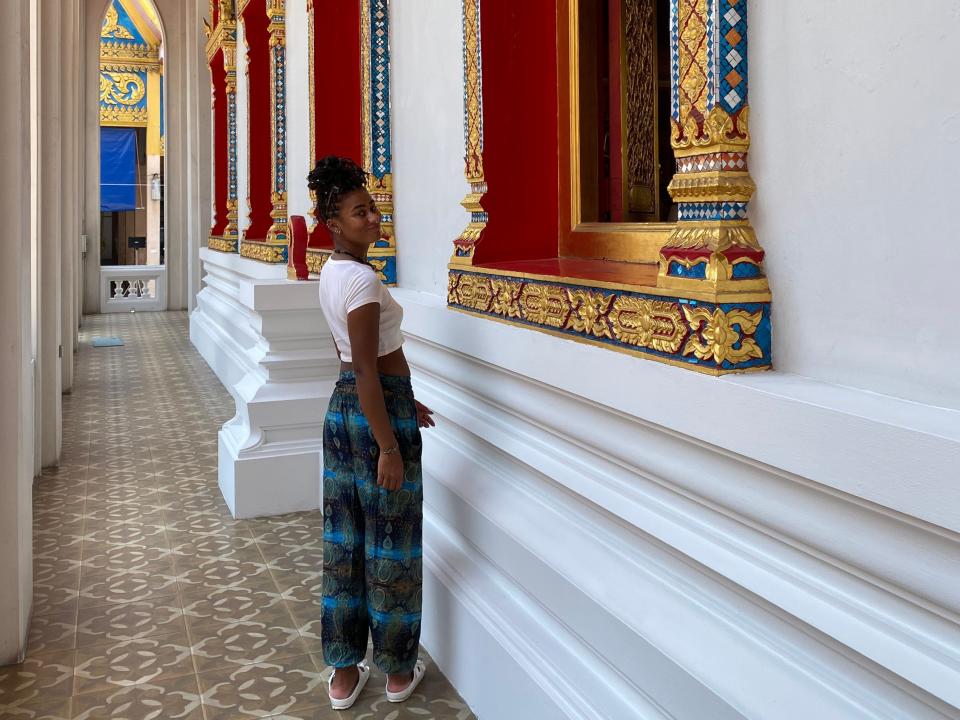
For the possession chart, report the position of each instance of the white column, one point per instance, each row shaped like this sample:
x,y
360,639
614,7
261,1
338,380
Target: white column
x,y
153,212
267,341
243,131
49,226
299,162
196,140
16,387
69,228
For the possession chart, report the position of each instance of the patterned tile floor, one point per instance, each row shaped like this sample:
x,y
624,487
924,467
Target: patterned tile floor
x,y
150,600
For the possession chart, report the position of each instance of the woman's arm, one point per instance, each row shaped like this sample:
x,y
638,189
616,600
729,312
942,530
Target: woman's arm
x,y
363,326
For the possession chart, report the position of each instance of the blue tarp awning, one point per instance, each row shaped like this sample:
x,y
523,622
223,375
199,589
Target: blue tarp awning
x,y
118,169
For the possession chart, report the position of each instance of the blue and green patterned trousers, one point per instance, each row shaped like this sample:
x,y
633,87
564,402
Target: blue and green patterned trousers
x,y
372,553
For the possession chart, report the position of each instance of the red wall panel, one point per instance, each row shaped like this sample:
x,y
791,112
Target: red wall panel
x,y
337,92
260,183
520,115
218,78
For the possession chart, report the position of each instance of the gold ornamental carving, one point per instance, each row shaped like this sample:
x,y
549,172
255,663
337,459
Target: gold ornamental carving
x,y
316,260
718,131
264,252
473,128
222,244
639,62
474,292
725,335
121,88
714,237
654,324
111,27
547,305
589,315
473,100
714,186
506,298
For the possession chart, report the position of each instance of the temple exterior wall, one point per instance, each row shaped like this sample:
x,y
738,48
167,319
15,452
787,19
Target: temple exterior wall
x,y
611,537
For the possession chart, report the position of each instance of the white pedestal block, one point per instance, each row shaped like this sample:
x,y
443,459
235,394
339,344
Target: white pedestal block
x,y
266,339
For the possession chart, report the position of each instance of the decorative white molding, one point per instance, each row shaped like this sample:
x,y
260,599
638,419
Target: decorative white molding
x,y
833,601
266,339
895,453
133,287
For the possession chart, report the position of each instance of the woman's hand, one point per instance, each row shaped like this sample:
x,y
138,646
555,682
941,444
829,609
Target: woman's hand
x,y
390,471
424,414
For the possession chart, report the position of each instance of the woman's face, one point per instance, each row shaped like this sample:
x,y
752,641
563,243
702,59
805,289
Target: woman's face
x,y
358,218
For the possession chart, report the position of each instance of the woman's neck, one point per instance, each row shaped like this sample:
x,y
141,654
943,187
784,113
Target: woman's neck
x,y
355,251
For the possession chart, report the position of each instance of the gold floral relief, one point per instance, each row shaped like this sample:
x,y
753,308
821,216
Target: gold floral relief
x,y
379,266
692,26
717,131
720,334
111,27
545,305
121,88
506,298
316,261
263,252
222,244
714,237
453,280
589,314
654,324
475,292
472,90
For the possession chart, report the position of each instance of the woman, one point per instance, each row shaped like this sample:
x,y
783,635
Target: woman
x,y
372,489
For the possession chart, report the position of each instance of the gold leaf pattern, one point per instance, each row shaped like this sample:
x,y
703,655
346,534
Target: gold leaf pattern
x,y
655,324
720,336
546,305
111,27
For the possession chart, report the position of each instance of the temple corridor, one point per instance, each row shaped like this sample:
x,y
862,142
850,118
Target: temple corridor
x,y
150,600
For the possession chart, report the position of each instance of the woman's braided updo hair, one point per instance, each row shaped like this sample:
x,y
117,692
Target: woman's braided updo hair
x,y
332,179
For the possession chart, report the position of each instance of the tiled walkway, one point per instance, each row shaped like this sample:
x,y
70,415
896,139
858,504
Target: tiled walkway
x,y
150,601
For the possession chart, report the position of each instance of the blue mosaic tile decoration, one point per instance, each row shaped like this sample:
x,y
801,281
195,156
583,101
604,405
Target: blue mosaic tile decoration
x,y
730,62
710,211
280,118
380,88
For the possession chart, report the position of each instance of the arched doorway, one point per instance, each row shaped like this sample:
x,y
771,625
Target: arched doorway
x,y
132,134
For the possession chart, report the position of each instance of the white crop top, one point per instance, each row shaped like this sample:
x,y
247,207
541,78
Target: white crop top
x,y
346,285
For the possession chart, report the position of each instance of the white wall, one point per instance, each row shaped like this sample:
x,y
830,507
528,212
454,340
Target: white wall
x,y
298,111
16,372
856,134
640,540
843,101
428,150
243,131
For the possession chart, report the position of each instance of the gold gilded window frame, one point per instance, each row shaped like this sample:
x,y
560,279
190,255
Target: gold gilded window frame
x,y
627,241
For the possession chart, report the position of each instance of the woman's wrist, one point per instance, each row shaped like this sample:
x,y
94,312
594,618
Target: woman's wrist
x,y
389,448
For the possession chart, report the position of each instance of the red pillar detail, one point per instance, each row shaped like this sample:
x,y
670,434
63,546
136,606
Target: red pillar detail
x,y
336,75
260,140
520,159
220,153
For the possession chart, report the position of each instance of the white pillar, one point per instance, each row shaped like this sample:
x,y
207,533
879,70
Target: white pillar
x,y
153,212
16,387
70,194
49,226
267,341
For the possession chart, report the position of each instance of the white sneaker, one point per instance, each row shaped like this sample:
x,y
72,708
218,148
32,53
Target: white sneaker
x,y
401,695
344,703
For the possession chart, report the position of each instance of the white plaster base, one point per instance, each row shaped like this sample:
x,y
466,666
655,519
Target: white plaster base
x,y
267,341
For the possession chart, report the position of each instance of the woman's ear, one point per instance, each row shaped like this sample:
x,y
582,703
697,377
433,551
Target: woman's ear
x,y
333,227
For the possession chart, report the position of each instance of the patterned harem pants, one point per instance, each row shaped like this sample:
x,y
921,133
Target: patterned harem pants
x,y
372,553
